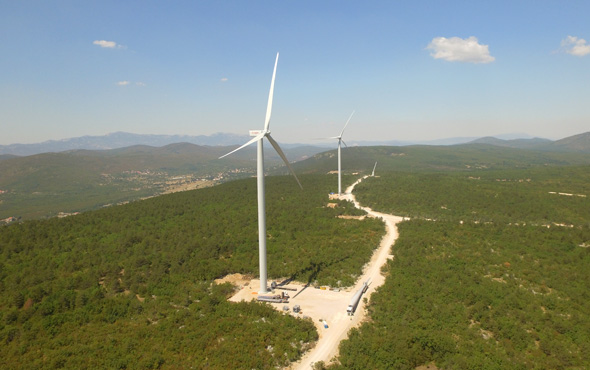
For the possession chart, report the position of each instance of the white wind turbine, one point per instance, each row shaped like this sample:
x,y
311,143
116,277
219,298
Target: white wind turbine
x,y
259,135
375,166
339,137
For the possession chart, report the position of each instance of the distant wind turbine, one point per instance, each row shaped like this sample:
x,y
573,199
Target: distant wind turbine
x,y
259,135
339,137
375,166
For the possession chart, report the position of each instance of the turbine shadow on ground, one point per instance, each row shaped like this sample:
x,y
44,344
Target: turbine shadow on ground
x,y
315,269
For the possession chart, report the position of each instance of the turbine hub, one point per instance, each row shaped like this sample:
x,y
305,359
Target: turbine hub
x,y
258,132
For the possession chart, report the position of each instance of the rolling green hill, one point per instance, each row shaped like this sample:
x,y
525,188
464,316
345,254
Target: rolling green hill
x,y
6,156
44,185
576,143
466,157
506,196
473,296
130,286
579,143
535,143
490,272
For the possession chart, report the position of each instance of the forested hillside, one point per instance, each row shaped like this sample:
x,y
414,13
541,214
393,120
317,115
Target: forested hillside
x,y
422,158
492,272
44,185
130,286
48,184
499,196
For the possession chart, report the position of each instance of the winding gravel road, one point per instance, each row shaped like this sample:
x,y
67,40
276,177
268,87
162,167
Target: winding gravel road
x,y
334,310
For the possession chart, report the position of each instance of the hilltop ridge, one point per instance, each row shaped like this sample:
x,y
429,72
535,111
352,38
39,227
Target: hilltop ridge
x,y
575,143
118,140
77,180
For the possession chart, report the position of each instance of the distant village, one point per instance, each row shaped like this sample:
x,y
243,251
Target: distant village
x,y
159,182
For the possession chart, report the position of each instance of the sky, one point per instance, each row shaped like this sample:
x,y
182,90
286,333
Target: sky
x,y
410,70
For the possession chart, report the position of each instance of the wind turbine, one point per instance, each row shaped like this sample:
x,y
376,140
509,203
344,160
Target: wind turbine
x,y
339,137
375,166
259,135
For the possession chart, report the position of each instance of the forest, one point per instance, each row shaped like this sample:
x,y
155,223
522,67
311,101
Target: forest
x,y
491,272
443,159
499,196
476,296
131,286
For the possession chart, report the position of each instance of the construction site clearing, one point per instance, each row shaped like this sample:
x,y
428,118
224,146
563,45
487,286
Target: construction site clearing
x,y
317,303
327,308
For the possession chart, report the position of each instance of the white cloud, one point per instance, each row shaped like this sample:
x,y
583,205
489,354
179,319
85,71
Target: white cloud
x,y
575,46
107,44
456,49
224,79
127,83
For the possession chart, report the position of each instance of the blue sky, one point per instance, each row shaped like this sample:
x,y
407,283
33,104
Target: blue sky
x,y
412,70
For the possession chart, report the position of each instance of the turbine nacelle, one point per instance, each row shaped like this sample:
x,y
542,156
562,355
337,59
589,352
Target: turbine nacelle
x,y
258,132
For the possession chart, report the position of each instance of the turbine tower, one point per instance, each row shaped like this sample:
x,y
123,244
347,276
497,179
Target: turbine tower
x,y
375,166
339,137
259,135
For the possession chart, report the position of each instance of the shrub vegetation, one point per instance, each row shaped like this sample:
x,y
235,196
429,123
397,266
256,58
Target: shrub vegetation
x,y
131,286
490,273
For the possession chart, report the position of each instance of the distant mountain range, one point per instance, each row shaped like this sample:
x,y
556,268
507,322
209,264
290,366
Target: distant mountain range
x,y
117,140
445,141
71,181
576,143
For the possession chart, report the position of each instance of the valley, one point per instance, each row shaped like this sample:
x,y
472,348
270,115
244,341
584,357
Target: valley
x,y
111,189
45,185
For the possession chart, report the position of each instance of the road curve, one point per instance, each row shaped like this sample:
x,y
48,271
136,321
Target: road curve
x,y
327,346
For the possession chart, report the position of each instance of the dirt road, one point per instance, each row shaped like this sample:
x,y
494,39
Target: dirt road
x,y
319,304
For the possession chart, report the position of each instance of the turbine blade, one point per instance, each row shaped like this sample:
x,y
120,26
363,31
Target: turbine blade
x,y
270,94
344,143
278,149
346,123
256,138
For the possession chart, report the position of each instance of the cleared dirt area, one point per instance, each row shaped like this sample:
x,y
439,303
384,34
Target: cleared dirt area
x,y
323,304
175,188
